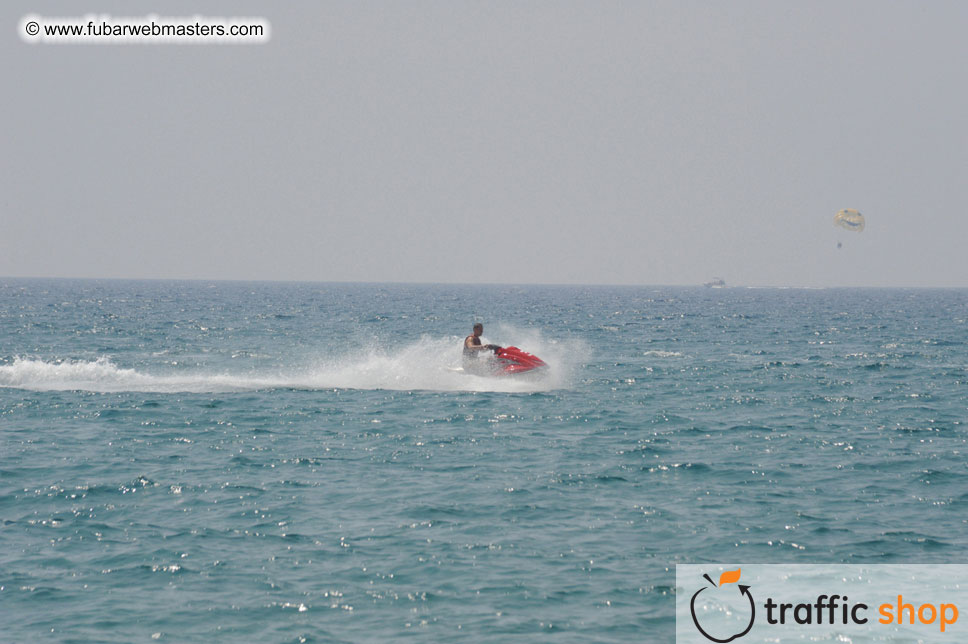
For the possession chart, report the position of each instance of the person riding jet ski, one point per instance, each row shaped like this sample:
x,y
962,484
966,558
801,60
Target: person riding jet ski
x,y
507,361
473,346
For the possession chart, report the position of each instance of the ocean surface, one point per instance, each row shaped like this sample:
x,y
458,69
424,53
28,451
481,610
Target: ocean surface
x,y
296,462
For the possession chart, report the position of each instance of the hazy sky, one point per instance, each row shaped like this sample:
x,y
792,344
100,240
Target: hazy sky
x,y
574,142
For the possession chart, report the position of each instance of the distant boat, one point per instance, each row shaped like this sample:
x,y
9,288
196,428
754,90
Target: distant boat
x,y
716,283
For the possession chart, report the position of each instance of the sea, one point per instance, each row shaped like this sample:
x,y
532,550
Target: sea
x,y
194,461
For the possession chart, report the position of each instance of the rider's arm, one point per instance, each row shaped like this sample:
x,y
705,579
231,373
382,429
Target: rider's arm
x,y
469,345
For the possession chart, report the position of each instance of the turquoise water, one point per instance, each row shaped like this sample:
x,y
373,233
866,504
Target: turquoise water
x,y
196,462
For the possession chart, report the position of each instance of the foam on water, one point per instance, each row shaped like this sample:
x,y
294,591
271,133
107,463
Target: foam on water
x,y
428,364
103,376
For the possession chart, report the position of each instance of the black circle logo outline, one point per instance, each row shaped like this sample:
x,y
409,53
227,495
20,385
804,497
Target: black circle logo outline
x,y
745,590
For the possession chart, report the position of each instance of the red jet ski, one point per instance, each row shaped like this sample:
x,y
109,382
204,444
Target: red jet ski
x,y
512,360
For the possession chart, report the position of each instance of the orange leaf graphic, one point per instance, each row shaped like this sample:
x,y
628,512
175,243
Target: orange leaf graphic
x,y
729,577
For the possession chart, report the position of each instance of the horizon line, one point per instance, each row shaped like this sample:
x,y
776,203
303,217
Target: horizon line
x,y
423,283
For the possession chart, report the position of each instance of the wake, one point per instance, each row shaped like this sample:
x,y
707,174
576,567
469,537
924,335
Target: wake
x,y
428,364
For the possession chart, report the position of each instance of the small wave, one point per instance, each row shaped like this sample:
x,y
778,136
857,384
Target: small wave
x,y
663,354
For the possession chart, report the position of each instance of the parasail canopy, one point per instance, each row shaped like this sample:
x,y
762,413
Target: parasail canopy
x,y
850,219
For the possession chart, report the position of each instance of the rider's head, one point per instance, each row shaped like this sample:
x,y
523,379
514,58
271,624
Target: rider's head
x,y
478,328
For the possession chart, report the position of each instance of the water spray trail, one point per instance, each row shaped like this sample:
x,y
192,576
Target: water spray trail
x,y
428,364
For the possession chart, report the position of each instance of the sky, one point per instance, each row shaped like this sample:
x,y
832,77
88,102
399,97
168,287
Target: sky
x,y
666,142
